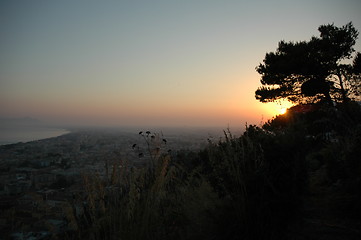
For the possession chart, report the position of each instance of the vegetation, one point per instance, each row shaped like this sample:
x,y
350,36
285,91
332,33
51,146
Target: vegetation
x,y
314,70
263,184
296,177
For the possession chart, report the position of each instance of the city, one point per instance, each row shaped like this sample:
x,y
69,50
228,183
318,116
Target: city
x,y
42,182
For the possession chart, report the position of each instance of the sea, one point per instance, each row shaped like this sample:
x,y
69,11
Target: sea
x,y
9,135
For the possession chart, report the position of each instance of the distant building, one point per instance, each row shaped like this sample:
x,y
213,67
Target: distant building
x,y
41,179
17,187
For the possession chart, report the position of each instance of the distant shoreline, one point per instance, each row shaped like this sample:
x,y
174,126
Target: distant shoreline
x,y
23,135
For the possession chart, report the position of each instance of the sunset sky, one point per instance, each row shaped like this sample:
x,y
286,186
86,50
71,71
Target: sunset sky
x,y
171,63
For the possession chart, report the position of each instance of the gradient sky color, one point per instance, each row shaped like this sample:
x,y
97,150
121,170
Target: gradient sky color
x,y
173,63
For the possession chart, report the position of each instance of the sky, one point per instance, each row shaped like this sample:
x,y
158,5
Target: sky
x,y
161,63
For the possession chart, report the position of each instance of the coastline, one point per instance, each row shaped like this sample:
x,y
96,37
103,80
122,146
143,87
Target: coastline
x,y
24,135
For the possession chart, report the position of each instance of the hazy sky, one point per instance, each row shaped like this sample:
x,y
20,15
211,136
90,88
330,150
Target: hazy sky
x,y
149,62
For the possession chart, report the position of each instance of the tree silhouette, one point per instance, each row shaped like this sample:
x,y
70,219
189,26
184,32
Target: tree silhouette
x,y
314,70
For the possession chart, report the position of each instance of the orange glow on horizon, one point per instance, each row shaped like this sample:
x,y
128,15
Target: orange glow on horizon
x,y
283,110
278,108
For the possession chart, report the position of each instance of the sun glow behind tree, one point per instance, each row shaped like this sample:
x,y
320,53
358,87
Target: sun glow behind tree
x,y
280,107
